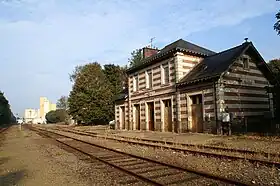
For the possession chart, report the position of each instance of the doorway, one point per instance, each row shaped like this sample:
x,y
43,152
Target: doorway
x,y
137,116
151,117
122,117
197,113
167,115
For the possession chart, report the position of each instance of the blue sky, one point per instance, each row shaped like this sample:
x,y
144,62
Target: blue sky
x,y
42,41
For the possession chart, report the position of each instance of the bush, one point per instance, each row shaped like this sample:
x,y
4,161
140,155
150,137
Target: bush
x,y
56,116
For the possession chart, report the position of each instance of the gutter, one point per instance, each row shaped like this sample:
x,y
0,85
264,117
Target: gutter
x,y
198,80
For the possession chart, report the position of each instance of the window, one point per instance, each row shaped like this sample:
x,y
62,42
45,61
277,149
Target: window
x,y
246,62
165,74
135,83
149,79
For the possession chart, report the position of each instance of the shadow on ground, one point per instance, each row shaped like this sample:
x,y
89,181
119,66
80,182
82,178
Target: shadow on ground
x,y
11,178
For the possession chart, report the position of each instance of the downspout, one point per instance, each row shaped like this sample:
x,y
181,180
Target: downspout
x,y
178,128
128,105
215,102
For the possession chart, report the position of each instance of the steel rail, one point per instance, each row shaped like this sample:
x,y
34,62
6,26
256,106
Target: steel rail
x,y
203,174
197,152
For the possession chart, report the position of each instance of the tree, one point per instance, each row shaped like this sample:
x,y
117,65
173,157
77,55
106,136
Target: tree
x,y
136,58
90,98
117,77
6,115
274,65
62,103
56,116
277,24
73,76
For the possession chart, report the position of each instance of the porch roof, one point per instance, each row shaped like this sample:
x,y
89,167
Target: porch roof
x,y
121,96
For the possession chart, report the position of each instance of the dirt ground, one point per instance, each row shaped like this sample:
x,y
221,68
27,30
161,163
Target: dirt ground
x,y
29,159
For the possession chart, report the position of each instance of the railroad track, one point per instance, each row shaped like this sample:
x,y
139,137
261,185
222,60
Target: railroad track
x,y
144,169
217,152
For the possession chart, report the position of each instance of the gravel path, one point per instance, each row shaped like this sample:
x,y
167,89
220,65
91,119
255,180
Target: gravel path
x,y
28,159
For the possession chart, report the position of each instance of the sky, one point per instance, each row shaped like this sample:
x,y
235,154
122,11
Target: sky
x,y
41,41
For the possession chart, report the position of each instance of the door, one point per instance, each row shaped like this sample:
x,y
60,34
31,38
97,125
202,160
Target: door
x,y
137,116
122,117
196,111
167,115
151,118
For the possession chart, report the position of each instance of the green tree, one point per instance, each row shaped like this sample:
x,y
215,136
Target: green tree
x,y
73,76
277,24
90,98
274,65
136,58
6,115
62,103
56,116
117,77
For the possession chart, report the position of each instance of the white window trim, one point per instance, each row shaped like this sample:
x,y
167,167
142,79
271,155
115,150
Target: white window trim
x,y
162,115
148,80
133,115
120,117
137,82
146,112
146,115
163,74
134,82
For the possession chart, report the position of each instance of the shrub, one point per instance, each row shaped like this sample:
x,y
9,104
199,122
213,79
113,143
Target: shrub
x,y
56,116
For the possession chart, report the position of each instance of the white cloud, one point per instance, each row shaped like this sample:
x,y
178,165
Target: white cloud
x,y
51,37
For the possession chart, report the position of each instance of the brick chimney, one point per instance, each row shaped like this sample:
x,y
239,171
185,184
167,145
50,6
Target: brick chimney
x,y
147,52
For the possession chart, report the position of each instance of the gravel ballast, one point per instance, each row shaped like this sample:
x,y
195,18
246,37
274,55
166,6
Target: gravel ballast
x,y
255,143
237,170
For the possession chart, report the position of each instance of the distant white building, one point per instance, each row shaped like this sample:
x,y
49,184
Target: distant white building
x,y
32,116
45,107
37,116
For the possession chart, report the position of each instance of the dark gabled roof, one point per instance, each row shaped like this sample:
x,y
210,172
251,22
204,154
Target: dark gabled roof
x,y
121,96
188,47
179,45
213,66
